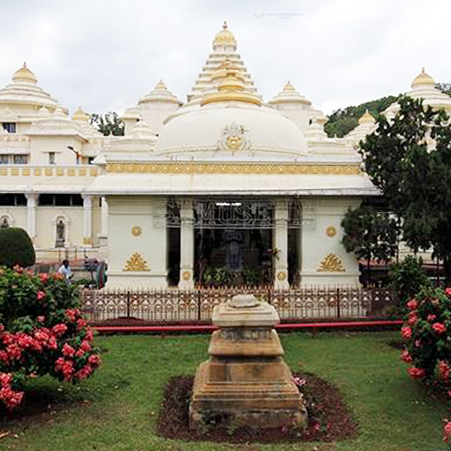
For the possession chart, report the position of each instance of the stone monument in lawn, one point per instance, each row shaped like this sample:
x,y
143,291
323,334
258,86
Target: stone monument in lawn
x,y
246,382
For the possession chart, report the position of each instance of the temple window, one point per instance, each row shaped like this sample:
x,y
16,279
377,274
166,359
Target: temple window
x,y
60,200
51,157
13,199
10,127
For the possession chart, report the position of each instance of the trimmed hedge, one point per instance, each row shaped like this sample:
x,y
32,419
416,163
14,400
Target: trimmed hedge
x,y
16,248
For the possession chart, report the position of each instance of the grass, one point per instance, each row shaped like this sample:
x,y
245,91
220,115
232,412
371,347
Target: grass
x,y
117,409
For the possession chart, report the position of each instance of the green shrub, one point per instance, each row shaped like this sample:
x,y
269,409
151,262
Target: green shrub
x,y
16,248
42,332
406,280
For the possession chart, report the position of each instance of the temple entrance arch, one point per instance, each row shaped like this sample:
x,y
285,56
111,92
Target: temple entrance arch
x,y
234,240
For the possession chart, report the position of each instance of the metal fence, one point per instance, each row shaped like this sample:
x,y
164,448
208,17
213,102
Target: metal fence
x,y
193,306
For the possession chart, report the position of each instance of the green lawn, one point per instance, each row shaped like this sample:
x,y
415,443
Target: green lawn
x,y
116,410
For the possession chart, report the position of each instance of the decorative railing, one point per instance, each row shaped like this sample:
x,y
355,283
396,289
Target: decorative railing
x,y
188,306
26,170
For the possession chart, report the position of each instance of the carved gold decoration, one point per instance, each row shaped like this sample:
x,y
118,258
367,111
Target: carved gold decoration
x,y
232,168
14,171
136,263
87,240
3,171
93,172
37,171
60,172
82,172
281,275
48,172
234,138
331,231
186,275
26,171
331,263
136,230
71,172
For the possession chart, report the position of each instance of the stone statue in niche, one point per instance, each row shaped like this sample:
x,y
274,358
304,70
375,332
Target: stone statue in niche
x,y
234,250
60,233
4,224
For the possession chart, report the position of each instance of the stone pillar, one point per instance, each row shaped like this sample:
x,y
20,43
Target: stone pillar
x,y
31,215
280,244
103,236
186,244
323,258
87,219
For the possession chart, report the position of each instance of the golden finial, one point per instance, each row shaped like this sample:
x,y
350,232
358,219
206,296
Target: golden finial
x,y
423,79
367,118
160,85
80,115
24,74
288,87
224,25
224,37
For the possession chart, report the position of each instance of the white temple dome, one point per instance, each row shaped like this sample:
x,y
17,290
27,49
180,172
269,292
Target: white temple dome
x,y
231,130
25,91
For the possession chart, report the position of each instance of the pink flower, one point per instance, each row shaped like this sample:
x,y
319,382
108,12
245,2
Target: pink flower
x,y
412,304
52,344
448,291
40,295
85,346
439,328
417,343
40,319
59,329
416,373
79,353
406,332
94,360
71,314
406,357
44,277
431,318
68,350
413,318
5,379
89,334
81,323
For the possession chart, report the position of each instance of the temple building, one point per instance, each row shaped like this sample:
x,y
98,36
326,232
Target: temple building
x,y
223,180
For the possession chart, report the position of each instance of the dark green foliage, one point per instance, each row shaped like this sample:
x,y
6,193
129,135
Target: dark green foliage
x,y
342,121
370,234
108,124
406,280
444,87
16,248
414,179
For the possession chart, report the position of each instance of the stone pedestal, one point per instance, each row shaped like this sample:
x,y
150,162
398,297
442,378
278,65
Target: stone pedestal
x,y
246,382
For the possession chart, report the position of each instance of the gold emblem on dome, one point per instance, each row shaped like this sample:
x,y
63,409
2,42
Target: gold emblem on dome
x,y
224,37
331,231
234,138
136,230
136,263
423,79
331,263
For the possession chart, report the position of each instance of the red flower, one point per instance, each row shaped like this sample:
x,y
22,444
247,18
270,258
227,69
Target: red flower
x,y
406,357
412,304
44,277
446,430
448,291
81,323
89,334
85,346
443,369
431,318
439,328
416,373
413,318
40,295
40,319
71,314
5,379
79,353
58,276
59,329
68,350
406,332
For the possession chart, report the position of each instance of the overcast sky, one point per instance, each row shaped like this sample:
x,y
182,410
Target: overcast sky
x,y
106,54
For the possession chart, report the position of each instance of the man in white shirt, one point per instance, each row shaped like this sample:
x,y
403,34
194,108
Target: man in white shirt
x,y
66,271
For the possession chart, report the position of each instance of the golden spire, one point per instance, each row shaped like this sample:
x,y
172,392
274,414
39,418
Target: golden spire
x,y
224,37
161,86
231,87
423,79
367,118
288,87
80,115
25,75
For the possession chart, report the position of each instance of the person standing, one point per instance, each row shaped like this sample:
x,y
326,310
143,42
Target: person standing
x,y
65,271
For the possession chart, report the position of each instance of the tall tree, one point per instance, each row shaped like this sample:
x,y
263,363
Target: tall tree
x,y
409,159
108,124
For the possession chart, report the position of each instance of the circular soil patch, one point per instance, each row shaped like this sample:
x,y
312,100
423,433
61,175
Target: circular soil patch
x,y
329,419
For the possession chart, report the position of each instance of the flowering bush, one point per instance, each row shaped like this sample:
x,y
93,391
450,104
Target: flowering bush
x,y
427,339
42,331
